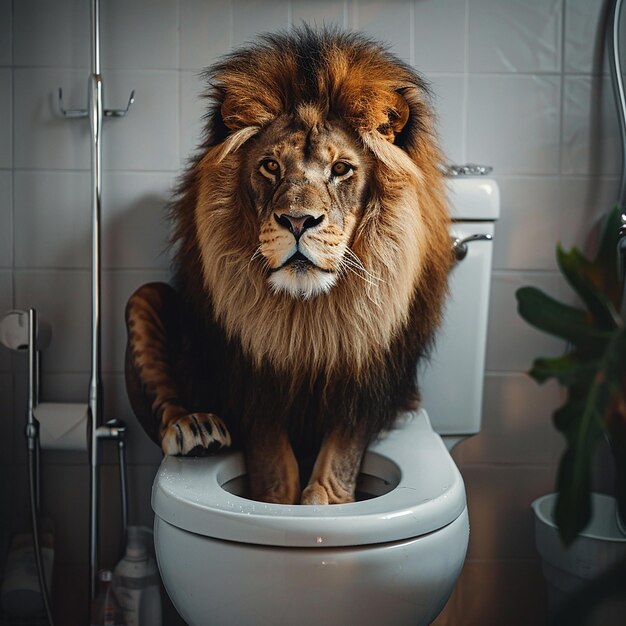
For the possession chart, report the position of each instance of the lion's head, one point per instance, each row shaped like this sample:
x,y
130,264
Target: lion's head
x,y
315,214
308,182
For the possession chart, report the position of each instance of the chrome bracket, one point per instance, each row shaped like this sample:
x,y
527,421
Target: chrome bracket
x,y
113,429
78,113
121,112
75,113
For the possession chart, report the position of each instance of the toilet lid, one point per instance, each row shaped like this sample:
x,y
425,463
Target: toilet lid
x,y
429,495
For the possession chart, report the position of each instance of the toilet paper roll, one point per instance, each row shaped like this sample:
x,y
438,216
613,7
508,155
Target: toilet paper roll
x,y
62,426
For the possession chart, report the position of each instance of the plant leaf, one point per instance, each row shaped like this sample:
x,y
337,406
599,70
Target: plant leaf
x,y
594,370
554,317
588,280
567,370
582,421
607,259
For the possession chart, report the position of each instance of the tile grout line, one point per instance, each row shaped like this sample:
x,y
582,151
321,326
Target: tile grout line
x,y
466,76
562,88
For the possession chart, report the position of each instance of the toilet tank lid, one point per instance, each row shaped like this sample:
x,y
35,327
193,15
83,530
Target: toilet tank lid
x,y
429,495
473,198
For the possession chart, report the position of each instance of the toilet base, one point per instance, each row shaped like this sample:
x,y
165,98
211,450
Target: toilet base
x,y
212,581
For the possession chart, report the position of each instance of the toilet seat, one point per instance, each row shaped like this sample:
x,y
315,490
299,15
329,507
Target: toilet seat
x,y
429,495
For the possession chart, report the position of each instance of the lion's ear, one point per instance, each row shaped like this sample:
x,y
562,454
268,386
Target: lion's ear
x,y
240,112
233,113
397,117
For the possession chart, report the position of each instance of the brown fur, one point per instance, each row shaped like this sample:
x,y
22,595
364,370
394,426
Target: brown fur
x,y
330,369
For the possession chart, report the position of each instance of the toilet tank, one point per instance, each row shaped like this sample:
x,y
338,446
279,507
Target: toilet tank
x,y
451,381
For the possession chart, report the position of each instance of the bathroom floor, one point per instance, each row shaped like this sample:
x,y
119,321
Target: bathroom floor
x,y
6,620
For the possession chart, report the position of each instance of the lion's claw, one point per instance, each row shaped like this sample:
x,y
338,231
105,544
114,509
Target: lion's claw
x,y
195,435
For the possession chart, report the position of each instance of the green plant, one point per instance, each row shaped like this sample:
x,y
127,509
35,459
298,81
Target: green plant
x,y
593,370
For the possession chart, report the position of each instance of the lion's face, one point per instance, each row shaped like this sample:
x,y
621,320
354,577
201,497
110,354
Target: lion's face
x,y
308,179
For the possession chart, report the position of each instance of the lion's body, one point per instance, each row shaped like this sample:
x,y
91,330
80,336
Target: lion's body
x,y
312,254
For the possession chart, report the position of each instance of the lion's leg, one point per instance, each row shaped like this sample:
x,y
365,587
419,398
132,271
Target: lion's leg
x,y
333,480
273,474
152,355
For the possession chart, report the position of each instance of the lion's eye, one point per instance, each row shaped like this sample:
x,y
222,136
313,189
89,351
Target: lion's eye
x,y
270,166
341,168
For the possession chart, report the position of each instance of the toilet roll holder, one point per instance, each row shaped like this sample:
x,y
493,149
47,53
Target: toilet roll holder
x,y
111,430
24,331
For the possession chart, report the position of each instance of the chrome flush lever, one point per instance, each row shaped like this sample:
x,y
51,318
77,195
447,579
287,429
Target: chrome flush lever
x,y
459,246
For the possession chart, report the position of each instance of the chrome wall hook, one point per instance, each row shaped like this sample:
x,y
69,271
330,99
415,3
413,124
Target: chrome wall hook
x,y
70,112
78,113
121,112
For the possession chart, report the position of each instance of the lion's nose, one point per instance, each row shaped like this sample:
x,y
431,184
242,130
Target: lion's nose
x,y
298,224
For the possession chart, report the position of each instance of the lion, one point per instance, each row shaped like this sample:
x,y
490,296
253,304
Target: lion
x,y
310,269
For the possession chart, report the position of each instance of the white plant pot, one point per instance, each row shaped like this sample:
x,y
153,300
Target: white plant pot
x,y
598,547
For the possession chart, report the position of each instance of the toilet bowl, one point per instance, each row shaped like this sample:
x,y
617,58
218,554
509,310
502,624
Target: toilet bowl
x,y
392,557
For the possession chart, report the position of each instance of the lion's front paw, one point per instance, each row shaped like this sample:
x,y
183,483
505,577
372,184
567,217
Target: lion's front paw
x,y
195,435
317,493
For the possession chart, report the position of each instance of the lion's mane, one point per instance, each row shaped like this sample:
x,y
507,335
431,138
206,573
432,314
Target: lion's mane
x,y
347,356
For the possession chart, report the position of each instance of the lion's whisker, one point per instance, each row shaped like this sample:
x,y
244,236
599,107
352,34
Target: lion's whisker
x,y
369,284
350,255
351,268
366,273
255,255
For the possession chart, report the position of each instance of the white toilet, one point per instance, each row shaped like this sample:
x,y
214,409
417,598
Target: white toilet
x,y
392,557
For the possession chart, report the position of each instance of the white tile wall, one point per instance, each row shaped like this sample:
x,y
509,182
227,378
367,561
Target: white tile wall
x,y
590,139
135,202
513,123
6,119
440,35
252,17
511,343
6,219
583,202
51,34
513,36
517,85
6,32
205,32
387,22
584,49
6,303
72,536
138,36
64,298
515,428
6,417
527,231
192,108
147,138
449,92
52,219
43,139
329,12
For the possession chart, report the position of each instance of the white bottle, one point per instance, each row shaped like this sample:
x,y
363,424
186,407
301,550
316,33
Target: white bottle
x,y
106,610
137,585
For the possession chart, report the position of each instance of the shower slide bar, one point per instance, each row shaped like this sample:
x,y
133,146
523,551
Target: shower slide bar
x,y
617,80
113,429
